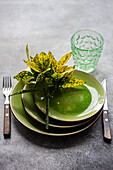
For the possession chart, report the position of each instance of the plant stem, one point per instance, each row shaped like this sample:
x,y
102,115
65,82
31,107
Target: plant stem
x,y
47,111
46,94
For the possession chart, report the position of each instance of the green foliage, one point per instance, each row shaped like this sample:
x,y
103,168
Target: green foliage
x,y
27,52
44,68
73,82
23,91
49,73
23,75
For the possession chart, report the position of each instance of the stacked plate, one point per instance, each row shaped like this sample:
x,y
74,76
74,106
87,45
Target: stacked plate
x,y
71,110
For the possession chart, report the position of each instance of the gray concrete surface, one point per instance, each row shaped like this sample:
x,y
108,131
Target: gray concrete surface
x,y
48,25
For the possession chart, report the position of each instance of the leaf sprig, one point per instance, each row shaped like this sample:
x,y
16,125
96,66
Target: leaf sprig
x,y
45,70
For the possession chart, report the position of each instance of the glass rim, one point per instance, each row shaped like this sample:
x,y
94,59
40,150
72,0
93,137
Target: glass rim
x,y
89,31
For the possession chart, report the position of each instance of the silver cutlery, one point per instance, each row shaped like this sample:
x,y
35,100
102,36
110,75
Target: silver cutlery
x,y
7,88
106,123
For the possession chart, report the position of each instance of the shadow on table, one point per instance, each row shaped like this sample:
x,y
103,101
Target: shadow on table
x,y
53,142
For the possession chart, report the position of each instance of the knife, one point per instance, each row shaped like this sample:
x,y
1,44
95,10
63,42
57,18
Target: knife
x,y
106,123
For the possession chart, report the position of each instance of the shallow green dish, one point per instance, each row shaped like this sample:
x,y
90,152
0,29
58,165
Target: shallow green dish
x,y
21,115
75,104
36,114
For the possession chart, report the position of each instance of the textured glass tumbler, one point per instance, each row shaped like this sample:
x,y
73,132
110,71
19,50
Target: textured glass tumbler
x,y
87,46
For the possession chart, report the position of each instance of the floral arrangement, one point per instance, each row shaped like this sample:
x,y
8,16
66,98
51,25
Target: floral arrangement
x,y
49,74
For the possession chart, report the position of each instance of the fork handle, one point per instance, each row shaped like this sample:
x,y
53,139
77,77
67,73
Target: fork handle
x,y
7,120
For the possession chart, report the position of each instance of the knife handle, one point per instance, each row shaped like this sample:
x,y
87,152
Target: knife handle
x,y
7,120
106,126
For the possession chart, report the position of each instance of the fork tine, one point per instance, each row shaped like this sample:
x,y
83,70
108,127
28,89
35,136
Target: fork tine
x,y
10,82
3,82
9,86
6,82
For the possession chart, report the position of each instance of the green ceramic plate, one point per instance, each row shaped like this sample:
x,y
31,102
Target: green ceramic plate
x,y
36,114
74,104
23,117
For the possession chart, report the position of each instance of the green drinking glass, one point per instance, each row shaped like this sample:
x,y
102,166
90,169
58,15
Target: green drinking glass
x,y
87,46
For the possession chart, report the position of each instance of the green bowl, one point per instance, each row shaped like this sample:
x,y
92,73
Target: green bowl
x,y
76,104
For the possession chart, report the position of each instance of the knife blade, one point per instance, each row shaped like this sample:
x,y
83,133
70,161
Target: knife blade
x,y
106,123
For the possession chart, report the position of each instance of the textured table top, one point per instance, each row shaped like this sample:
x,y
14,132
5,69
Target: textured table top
x,y
48,26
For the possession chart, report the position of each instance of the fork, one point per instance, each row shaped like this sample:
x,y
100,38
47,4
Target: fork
x,y
7,88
